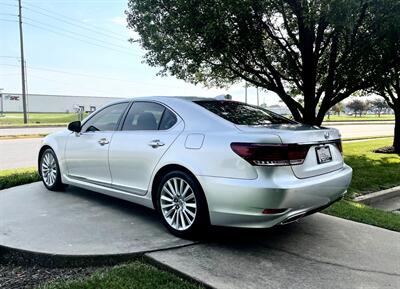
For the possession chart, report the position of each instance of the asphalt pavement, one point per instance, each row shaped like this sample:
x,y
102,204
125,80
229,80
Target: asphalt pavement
x,y
28,130
19,153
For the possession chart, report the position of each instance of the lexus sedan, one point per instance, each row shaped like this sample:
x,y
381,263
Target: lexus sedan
x,y
200,162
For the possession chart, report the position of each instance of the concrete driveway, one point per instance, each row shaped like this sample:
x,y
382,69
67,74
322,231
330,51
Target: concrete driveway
x,y
318,252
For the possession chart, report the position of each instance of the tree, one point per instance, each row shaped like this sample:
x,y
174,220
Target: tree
x,y
357,106
379,105
319,51
388,84
338,108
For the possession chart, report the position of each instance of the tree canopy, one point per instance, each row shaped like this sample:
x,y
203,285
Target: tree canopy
x,y
320,51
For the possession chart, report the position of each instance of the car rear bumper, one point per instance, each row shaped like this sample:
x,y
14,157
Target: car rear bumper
x,y
240,203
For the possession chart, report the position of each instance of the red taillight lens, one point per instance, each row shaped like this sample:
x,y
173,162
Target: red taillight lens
x,y
338,144
271,154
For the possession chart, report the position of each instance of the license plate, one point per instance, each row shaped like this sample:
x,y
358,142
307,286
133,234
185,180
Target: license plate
x,y
323,154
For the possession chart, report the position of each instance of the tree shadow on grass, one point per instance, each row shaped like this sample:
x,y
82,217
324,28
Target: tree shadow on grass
x,y
370,175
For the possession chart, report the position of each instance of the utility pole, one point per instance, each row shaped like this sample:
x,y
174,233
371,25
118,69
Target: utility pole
x,y
1,104
21,43
245,92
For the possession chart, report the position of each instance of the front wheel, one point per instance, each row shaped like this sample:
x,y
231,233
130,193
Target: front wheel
x,y
50,171
182,205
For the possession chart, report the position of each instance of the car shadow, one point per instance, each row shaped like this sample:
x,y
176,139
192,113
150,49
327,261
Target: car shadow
x,y
215,234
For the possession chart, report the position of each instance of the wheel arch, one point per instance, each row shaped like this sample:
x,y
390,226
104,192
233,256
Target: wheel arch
x,y
41,151
166,169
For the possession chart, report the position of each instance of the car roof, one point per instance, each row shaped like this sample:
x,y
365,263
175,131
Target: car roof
x,y
166,98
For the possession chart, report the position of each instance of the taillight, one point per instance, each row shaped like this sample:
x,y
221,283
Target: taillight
x,y
271,154
338,144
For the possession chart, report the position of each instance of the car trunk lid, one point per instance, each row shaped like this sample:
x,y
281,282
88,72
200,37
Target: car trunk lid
x,y
324,149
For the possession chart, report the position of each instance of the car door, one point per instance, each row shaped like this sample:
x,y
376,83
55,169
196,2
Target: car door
x,y
146,134
86,153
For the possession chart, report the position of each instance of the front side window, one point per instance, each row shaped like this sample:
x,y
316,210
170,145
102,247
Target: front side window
x,y
243,114
106,119
148,116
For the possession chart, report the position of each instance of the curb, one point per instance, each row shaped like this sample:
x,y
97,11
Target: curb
x,y
378,196
22,136
162,266
333,123
366,138
26,257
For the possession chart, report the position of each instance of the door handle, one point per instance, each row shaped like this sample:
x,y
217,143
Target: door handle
x,y
103,141
156,143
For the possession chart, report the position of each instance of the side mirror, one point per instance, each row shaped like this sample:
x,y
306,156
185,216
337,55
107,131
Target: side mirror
x,y
75,126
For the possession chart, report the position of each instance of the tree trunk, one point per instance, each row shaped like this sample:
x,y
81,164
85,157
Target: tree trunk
x,y
396,141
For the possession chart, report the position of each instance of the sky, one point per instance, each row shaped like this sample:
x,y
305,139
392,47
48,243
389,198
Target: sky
x,y
81,47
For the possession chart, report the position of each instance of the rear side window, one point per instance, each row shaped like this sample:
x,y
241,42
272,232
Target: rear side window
x,y
149,116
168,120
243,114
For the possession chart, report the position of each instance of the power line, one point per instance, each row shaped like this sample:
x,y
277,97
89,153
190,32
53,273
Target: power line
x,y
8,20
70,19
77,25
10,5
6,56
93,76
79,39
8,14
75,33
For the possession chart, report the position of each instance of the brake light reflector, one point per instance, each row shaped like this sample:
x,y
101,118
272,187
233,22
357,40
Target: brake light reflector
x,y
273,211
271,154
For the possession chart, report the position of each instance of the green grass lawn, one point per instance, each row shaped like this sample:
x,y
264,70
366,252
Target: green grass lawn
x,y
369,117
129,276
364,214
38,118
371,171
16,177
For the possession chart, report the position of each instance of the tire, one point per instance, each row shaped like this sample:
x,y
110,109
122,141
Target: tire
x,y
182,205
50,171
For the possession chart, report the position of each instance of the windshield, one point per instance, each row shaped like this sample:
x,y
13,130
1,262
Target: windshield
x,y
243,114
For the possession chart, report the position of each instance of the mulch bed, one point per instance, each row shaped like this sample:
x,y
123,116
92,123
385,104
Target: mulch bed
x,y
24,277
385,150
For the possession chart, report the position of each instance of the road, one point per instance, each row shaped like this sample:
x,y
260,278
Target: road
x,y
23,152
28,130
364,130
19,153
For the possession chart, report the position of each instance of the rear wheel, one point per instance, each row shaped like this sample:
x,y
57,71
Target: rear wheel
x,y
50,171
182,205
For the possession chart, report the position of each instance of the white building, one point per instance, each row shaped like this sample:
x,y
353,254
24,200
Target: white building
x,y
12,102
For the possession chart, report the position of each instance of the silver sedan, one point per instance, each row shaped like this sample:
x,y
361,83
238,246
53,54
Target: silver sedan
x,y
200,162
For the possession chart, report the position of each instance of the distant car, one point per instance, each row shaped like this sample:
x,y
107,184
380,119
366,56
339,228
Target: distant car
x,y
200,162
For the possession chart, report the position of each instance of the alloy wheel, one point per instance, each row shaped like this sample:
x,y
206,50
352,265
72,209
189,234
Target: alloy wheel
x,y
178,204
49,169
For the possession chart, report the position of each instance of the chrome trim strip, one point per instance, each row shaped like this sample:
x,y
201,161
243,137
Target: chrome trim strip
x,y
111,186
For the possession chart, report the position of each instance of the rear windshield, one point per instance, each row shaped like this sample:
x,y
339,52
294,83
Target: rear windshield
x,y
243,114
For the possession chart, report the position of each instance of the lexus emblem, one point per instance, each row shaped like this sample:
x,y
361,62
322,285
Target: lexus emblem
x,y
326,135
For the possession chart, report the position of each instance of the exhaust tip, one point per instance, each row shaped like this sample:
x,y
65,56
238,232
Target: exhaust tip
x,y
293,219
